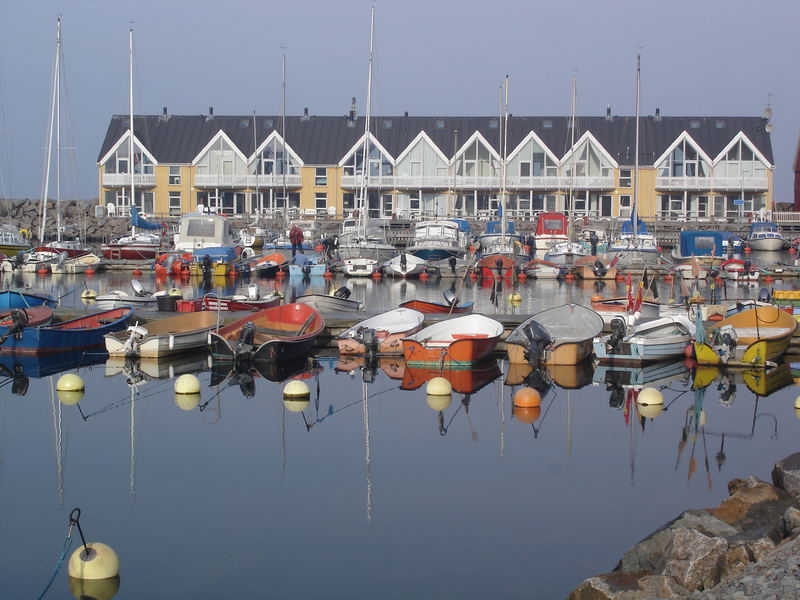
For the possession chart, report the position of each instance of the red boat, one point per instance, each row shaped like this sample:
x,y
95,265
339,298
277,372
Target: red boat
x,y
551,228
495,265
277,333
36,315
452,305
139,246
463,381
464,340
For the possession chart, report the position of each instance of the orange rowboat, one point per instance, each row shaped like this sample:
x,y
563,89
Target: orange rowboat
x,y
463,340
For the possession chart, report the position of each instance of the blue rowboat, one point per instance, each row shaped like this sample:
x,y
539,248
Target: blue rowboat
x,y
77,334
18,299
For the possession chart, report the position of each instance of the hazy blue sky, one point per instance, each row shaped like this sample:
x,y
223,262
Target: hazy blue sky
x,y
433,57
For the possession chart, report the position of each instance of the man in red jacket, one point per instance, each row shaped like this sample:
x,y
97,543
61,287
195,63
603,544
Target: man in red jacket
x,y
296,239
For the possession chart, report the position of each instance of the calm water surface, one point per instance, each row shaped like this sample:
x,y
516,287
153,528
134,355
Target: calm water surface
x,y
240,496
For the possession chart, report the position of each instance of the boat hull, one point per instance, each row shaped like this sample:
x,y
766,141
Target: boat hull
x,y
426,307
230,304
129,251
766,244
322,302
436,254
16,299
466,351
167,336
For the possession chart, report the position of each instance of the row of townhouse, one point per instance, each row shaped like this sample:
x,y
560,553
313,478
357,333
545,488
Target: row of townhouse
x,y
689,167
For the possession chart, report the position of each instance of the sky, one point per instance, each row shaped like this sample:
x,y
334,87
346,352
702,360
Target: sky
x,y
432,58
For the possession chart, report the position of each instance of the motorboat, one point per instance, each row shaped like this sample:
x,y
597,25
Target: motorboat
x,y
632,341
462,340
339,301
496,266
14,321
551,229
12,241
542,269
381,334
452,267
359,267
561,335
365,238
706,245
609,308
200,230
494,241
451,305
253,300
635,244
279,333
740,270
162,337
82,263
764,235
436,240
267,265
82,333
463,381
594,268
567,253
141,298
753,337
140,244
405,265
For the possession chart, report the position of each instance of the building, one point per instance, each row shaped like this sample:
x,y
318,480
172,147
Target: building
x,y
689,167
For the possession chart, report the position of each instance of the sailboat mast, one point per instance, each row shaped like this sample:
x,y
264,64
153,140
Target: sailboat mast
x,y
503,167
573,108
362,215
50,127
130,107
283,140
635,213
57,93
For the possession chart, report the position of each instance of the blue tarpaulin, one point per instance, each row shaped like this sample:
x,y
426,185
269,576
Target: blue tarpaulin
x,y
137,221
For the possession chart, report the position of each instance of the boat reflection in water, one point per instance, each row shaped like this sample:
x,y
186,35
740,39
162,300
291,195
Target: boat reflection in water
x,y
17,369
167,367
570,377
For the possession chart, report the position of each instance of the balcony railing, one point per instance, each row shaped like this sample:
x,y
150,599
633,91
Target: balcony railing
x,y
461,182
712,183
124,180
245,181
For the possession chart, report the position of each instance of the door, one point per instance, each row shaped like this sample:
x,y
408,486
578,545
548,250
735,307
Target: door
x,y
605,206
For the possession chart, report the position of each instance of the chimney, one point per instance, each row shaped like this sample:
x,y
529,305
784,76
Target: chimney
x,y
305,116
165,111
352,115
405,114
608,113
658,114
210,111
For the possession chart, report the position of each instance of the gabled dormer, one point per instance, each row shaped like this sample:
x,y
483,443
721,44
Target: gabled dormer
x,y
532,164
684,158
476,159
220,162
273,158
381,163
422,159
591,163
115,163
741,160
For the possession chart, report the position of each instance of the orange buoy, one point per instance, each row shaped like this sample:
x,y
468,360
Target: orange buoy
x,y
161,270
137,272
747,250
473,275
659,248
424,276
527,397
471,249
597,297
319,248
376,274
280,274
527,414
768,279
688,351
689,363
792,250
327,274
42,270
89,271
522,277
570,276
619,277
668,277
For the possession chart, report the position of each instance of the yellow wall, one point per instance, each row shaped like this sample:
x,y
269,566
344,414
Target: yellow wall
x,y
163,188
308,191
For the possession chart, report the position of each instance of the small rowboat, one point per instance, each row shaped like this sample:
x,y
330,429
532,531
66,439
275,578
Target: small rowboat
x,y
76,334
13,322
665,338
277,333
339,302
740,270
251,301
561,335
450,306
754,337
463,381
463,340
608,308
163,336
381,334
20,299
360,267
543,269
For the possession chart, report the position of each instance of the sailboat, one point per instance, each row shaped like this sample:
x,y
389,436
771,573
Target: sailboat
x,y
362,237
567,252
635,244
139,245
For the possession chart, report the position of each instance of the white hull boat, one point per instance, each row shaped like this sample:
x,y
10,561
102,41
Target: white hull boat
x,y
660,339
163,336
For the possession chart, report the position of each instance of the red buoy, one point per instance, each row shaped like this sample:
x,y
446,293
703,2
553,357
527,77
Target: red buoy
x,y
137,273
747,250
328,274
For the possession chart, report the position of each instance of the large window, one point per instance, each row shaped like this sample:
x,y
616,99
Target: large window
x,y
625,178
588,162
320,176
740,161
684,161
174,175
624,206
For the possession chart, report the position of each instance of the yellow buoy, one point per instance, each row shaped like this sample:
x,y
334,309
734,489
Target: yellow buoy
x,y
88,294
97,589
514,297
187,384
650,396
101,562
650,411
70,382
797,402
296,389
69,397
439,386
175,292
527,397
187,401
295,404
438,402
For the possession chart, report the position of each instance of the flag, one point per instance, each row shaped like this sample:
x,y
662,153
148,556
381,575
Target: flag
x,y
614,261
629,287
640,292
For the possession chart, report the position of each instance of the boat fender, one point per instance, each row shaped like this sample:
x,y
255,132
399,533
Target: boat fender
x,y
171,342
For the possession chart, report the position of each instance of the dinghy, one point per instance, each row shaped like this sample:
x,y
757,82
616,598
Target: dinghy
x,y
338,302
561,335
163,336
405,265
77,334
649,341
463,340
251,301
26,299
753,337
381,334
359,267
450,306
141,298
277,333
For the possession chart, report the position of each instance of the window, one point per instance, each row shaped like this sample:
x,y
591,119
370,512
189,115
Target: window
x,y
174,175
321,200
624,206
439,124
387,123
625,178
720,124
547,123
348,201
493,124
174,203
694,124
524,169
321,176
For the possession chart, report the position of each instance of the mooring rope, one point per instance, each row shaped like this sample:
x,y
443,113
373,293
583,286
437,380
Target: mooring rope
x,y
60,561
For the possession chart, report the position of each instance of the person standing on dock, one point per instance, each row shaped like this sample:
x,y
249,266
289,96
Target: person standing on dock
x,y
296,239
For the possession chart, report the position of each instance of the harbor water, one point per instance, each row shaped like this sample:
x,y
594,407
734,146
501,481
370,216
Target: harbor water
x,y
371,489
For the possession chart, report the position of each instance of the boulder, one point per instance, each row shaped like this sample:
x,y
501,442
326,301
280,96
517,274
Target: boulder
x,y
791,520
628,586
786,475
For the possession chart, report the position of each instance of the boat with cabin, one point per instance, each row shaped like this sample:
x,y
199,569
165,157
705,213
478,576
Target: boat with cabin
x,y
706,245
764,235
197,231
551,229
440,239
140,244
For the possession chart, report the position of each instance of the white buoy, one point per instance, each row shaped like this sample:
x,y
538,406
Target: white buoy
x,y
296,404
70,382
295,389
439,386
187,401
101,562
650,411
797,402
187,384
68,397
650,396
96,589
438,402
175,292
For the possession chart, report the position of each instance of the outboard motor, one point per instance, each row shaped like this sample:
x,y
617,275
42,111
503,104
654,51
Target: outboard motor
x,y
62,258
593,239
727,391
618,329
726,343
247,385
617,397
452,262
403,262
538,340
252,292
19,386
366,335
498,264
342,292
764,295
246,338
19,320
599,268
206,266
450,297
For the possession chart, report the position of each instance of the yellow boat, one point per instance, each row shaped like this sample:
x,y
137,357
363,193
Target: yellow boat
x,y
751,338
218,269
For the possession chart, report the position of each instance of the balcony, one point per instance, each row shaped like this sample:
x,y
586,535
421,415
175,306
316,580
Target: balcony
x,y
712,183
124,180
245,181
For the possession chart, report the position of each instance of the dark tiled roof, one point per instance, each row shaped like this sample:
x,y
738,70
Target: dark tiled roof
x,y
325,140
